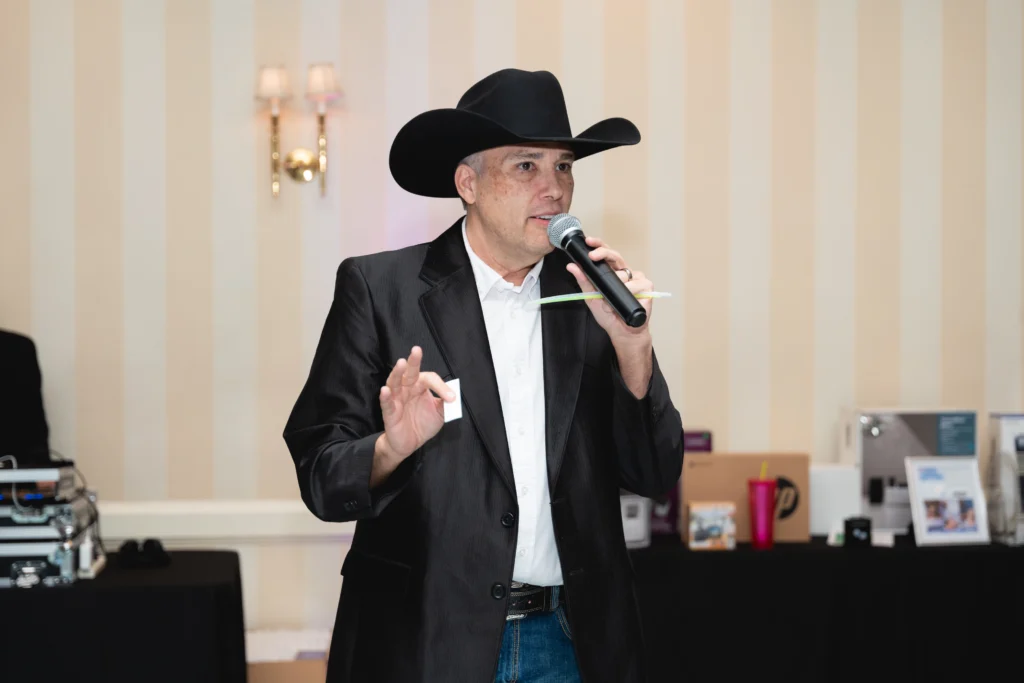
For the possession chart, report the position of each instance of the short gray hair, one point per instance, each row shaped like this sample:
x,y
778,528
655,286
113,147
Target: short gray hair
x,y
476,162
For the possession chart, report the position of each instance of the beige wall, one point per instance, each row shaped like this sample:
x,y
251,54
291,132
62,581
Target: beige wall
x,y
830,190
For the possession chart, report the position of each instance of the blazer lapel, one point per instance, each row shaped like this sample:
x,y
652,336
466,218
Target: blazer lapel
x,y
565,341
456,320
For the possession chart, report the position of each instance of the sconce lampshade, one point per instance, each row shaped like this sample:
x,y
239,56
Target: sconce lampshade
x,y
321,84
273,84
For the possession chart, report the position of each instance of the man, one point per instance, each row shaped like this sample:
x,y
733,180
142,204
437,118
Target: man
x,y
489,547
24,432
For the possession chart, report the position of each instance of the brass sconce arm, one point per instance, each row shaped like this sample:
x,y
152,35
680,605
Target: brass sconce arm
x,y
275,155
322,143
300,164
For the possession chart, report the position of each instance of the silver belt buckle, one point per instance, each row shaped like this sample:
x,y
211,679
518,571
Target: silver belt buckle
x,y
515,585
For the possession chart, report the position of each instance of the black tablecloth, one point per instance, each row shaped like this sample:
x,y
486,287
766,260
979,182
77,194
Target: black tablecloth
x,y
810,612
182,624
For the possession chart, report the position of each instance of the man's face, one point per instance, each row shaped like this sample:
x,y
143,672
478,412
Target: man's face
x,y
518,187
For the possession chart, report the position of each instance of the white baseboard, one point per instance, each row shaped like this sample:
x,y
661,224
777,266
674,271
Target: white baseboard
x,y
231,521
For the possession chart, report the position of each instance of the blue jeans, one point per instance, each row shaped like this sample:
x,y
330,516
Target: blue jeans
x,y
538,649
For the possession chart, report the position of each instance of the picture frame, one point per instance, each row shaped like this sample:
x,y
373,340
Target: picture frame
x,y
712,525
947,500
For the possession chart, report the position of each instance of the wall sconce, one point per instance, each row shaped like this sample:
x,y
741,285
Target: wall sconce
x,y
273,88
300,164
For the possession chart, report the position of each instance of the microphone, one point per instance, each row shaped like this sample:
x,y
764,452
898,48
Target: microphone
x,y
566,233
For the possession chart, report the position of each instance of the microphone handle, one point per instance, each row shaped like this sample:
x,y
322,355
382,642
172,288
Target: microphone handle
x,y
605,280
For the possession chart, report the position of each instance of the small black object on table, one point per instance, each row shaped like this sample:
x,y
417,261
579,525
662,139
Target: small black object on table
x,y
180,622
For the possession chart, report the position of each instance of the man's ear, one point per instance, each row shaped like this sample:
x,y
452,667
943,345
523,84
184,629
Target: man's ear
x,y
465,183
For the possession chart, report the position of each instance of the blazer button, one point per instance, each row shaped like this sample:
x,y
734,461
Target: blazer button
x,y
508,520
497,591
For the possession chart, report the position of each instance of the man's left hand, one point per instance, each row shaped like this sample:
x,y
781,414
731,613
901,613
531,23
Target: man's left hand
x,y
633,345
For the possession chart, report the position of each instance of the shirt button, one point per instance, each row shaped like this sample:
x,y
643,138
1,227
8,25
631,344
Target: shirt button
x,y
497,591
508,520
522,553
524,490
522,430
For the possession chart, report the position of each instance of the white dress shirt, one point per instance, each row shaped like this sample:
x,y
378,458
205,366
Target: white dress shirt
x,y
514,335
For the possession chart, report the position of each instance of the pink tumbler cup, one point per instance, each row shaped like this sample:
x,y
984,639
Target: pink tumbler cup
x,y
762,513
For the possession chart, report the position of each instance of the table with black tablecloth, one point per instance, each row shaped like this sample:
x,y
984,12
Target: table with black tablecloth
x,y
811,612
180,623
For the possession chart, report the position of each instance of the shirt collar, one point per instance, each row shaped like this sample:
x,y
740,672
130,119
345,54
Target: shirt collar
x,y
488,279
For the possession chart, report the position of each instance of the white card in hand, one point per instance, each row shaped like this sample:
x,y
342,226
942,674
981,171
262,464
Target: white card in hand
x,y
453,410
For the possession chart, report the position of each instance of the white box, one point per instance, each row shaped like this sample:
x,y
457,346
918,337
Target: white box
x,y
877,441
834,496
1004,478
636,520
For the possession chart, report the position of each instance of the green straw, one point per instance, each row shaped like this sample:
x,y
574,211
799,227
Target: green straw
x,y
580,296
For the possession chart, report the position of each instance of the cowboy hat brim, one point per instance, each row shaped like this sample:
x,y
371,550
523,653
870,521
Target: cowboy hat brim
x,y
427,150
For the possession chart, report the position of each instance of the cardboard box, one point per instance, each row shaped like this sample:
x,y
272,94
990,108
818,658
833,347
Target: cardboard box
x,y
723,477
287,655
299,671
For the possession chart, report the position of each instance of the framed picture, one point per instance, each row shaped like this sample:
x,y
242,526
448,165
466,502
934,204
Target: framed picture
x,y
947,501
712,526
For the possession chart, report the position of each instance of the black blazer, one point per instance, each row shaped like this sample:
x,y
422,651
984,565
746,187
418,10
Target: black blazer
x,y
427,574
24,432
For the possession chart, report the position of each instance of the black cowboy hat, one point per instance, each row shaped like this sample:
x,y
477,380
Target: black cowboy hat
x,y
506,108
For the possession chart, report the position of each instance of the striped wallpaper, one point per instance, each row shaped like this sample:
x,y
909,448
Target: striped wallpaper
x,y
831,190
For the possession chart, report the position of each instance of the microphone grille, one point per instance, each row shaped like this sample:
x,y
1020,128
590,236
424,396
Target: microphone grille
x,y
561,224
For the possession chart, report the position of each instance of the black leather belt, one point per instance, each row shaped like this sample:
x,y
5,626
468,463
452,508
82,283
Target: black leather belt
x,y
524,600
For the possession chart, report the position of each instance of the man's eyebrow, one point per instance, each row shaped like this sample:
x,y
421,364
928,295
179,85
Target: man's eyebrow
x,y
567,155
